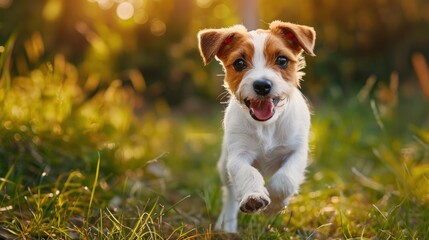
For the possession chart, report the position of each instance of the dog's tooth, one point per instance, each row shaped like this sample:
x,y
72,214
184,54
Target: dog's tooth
x,y
276,100
247,103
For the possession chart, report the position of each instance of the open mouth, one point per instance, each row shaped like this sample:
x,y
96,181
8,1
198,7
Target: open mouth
x,y
262,109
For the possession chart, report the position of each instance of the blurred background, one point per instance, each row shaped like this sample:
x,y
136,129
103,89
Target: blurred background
x,y
151,44
122,81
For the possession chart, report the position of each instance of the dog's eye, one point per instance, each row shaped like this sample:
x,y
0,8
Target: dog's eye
x,y
282,61
239,65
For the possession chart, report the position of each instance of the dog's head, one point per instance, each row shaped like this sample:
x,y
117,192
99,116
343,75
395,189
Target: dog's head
x,y
261,67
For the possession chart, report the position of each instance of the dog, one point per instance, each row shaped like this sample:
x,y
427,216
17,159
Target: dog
x,y
267,120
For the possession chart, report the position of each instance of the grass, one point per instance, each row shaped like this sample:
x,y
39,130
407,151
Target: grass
x,y
82,165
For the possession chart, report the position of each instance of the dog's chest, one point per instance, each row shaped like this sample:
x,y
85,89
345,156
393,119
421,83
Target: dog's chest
x,y
268,138
274,146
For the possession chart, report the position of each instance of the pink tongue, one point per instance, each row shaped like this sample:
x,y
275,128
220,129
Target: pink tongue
x,y
262,110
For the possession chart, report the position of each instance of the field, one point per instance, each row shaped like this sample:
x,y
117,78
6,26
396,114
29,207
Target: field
x,y
76,166
111,127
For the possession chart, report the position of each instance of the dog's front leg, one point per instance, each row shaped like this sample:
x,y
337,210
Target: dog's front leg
x,y
286,181
247,182
227,220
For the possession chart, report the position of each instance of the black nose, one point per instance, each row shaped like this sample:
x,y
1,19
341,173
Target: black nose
x,y
262,87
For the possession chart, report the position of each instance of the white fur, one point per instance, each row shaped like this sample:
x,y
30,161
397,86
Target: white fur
x,y
252,151
259,71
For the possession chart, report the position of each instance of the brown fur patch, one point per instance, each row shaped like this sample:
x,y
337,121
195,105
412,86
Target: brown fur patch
x,y
274,47
298,37
241,47
211,41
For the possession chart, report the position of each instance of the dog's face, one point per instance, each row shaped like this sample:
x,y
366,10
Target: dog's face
x,y
261,67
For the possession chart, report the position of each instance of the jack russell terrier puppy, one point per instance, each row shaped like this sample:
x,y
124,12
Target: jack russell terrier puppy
x,y
267,120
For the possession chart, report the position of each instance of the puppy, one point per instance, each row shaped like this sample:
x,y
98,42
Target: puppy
x,y
267,120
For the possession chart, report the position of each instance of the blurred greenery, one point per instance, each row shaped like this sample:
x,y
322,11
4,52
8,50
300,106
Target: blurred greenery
x,y
355,39
120,83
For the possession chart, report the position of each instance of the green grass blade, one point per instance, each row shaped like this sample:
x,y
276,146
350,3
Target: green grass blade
x,y
94,185
5,179
5,59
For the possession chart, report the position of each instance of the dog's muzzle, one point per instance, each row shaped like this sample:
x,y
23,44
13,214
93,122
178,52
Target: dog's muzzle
x,y
262,108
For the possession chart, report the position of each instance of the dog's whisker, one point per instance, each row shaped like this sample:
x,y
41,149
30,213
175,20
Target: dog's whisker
x,y
223,95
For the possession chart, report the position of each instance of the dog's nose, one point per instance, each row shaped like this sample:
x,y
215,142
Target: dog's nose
x,y
262,87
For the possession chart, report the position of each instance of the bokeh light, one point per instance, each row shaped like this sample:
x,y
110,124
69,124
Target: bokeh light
x,y
141,17
157,27
105,4
221,11
52,10
5,3
125,10
137,4
204,3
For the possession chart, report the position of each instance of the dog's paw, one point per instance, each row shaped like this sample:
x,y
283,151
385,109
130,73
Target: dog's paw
x,y
254,203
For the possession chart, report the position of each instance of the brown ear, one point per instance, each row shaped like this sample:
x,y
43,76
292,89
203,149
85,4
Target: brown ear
x,y
299,36
210,41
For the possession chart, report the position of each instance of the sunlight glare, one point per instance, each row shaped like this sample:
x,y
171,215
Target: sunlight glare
x,y
125,10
